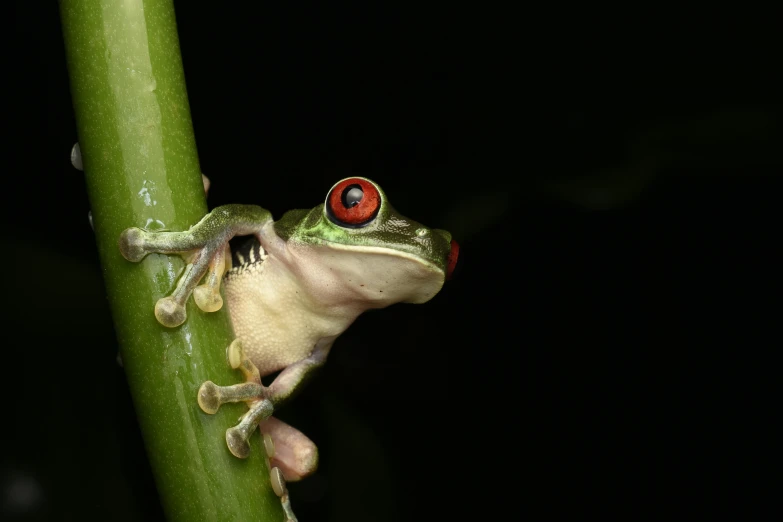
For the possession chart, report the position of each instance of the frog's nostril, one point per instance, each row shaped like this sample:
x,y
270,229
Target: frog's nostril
x,y
451,261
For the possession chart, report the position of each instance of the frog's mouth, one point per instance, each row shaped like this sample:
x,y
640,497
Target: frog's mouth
x,y
432,257
388,251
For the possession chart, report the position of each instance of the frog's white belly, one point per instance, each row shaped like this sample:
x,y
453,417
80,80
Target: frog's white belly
x,y
276,321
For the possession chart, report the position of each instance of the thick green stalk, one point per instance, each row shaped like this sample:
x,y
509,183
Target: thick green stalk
x,y
142,170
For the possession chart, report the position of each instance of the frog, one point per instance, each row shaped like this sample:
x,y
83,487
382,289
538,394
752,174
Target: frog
x,y
291,290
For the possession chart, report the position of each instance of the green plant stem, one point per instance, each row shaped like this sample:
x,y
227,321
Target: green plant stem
x,y
142,169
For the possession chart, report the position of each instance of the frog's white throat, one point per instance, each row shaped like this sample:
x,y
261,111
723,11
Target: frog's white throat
x,y
362,276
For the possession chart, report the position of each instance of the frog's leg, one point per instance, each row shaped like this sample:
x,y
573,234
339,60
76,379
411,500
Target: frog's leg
x,y
261,402
204,247
296,456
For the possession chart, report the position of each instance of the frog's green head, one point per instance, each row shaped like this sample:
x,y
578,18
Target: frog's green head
x,y
357,240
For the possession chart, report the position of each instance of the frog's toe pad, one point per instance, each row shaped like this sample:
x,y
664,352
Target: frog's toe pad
x,y
235,353
76,157
209,398
237,443
169,312
278,481
207,299
132,244
280,489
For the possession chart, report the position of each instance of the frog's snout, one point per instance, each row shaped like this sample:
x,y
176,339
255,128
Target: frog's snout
x,y
451,260
453,252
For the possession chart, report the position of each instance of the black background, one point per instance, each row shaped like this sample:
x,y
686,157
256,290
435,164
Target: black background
x,y
608,345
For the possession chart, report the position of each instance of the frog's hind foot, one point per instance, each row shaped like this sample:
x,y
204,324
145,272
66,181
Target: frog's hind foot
x,y
205,250
300,456
211,397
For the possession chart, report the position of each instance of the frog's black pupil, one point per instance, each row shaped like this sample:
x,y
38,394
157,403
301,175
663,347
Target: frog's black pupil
x,y
352,196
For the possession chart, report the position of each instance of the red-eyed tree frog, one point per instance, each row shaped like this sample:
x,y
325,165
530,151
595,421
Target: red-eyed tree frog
x,y
292,289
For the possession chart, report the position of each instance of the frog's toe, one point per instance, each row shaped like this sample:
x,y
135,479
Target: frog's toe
x,y
132,242
169,312
237,443
208,298
238,360
235,354
207,295
76,157
237,437
278,481
211,396
280,489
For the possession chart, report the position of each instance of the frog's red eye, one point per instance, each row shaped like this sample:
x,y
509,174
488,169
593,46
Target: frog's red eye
x,y
353,203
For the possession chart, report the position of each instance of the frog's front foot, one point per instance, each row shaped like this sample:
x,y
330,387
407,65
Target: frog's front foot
x,y
202,257
211,397
207,258
204,248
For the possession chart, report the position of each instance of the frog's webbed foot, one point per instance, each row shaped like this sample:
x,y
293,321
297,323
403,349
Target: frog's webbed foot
x,y
204,248
211,397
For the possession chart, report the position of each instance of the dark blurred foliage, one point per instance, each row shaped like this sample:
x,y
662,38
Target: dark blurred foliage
x,y
610,180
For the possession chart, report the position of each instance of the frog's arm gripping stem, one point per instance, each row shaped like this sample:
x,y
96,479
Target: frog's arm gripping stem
x,y
204,248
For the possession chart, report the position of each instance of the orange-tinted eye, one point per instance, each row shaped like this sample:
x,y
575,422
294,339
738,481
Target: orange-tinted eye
x,y
353,203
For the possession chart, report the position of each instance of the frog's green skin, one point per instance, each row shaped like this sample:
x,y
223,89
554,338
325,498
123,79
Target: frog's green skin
x,y
291,293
